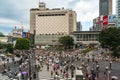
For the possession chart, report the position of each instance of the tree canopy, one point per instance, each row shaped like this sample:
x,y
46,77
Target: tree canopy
x,y
110,38
9,48
67,41
22,44
1,46
1,34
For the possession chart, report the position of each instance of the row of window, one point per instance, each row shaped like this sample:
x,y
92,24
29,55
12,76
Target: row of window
x,y
87,37
51,15
54,34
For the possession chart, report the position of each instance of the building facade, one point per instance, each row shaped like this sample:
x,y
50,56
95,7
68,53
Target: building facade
x,y
105,7
79,26
118,13
17,33
3,39
56,21
86,37
103,22
52,21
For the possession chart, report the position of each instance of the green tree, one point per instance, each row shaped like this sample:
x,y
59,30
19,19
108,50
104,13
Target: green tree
x,y
22,44
110,38
1,34
67,41
9,48
1,46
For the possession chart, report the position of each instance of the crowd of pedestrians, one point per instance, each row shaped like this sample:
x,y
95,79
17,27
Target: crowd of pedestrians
x,y
63,64
59,64
18,67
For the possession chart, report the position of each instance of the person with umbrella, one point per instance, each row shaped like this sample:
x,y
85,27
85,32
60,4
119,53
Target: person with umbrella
x,y
23,74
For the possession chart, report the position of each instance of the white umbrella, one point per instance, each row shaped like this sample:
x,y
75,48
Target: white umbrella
x,y
114,77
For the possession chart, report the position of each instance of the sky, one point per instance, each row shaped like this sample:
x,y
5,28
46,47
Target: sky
x,y
17,12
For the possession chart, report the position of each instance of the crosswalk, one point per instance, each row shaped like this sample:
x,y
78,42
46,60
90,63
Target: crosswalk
x,y
45,75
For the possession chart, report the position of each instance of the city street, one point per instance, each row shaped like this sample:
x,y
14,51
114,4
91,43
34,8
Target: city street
x,y
70,58
60,40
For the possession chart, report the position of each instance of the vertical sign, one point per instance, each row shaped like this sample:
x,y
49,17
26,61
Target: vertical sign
x,y
105,20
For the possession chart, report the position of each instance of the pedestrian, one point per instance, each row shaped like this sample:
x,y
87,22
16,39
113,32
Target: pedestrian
x,y
97,67
7,60
106,69
36,67
88,60
39,68
110,64
72,73
93,74
47,67
97,71
4,65
22,76
51,74
61,71
66,75
34,75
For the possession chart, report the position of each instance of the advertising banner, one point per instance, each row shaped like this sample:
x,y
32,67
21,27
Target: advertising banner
x,y
28,35
112,18
105,20
24,34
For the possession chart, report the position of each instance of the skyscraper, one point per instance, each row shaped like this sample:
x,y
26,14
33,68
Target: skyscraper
x,y
118,13
118,8
105,7
79,26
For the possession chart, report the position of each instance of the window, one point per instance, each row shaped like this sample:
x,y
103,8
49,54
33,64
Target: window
x,y
51,15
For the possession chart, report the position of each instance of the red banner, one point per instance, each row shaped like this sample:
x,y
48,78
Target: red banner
x,y
105,20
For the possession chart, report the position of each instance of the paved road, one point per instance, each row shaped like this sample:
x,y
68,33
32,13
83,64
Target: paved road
x,y
45,75
3,77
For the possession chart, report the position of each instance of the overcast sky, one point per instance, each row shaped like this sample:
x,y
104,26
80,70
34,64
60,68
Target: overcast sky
x,y
15,12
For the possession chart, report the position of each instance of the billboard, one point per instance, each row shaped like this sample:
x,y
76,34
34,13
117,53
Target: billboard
x,y
24,34
27,35
105,20
112,18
